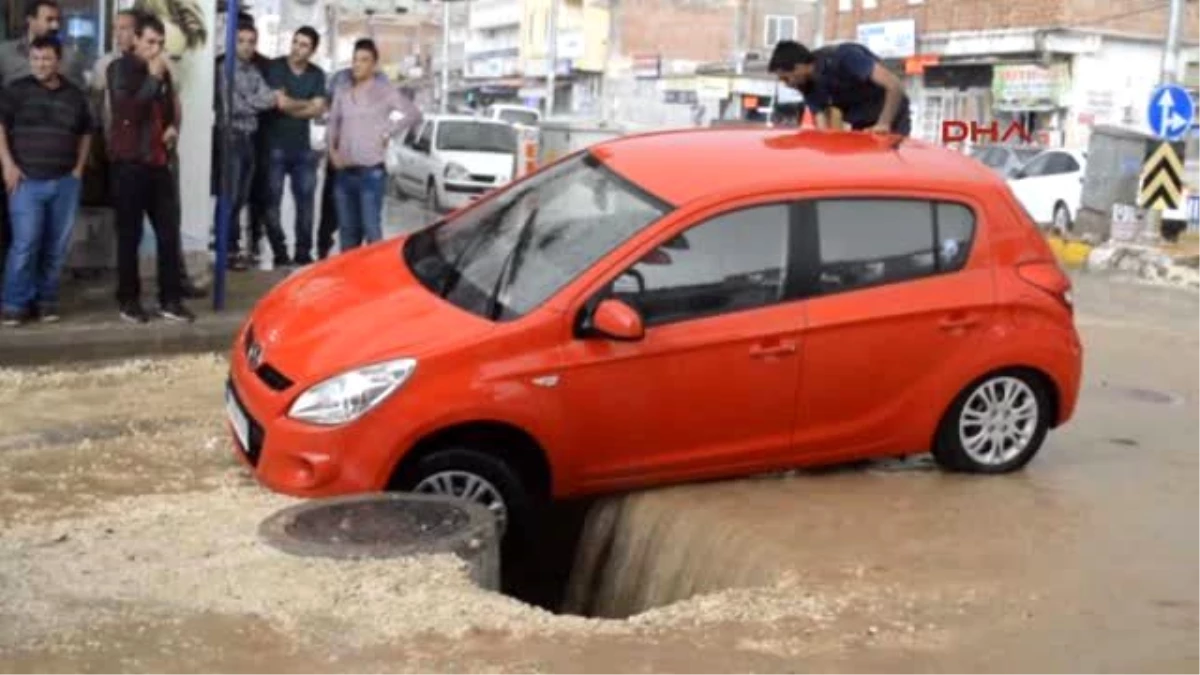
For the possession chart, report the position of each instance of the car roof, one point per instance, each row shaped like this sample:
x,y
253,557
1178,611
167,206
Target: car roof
x,y
688,165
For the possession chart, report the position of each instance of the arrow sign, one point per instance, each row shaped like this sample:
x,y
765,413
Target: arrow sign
x,y
1171,112
1162,179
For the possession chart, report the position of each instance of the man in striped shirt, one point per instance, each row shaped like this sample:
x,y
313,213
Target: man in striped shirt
x,y
46,128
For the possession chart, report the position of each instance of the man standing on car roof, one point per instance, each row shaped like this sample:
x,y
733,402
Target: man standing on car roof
x,y
848,77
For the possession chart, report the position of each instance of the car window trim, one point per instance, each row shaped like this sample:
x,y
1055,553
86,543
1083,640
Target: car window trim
x,y
812,288
590,159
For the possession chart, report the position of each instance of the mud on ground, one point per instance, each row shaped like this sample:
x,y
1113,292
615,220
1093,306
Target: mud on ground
x,y
128,543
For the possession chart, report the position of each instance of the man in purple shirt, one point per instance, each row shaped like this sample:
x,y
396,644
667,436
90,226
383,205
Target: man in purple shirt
x,y
360,127
329,224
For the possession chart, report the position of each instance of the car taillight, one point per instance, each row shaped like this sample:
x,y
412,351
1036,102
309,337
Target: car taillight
x,y
1048,277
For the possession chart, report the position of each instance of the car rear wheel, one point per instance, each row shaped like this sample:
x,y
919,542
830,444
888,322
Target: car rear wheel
x,y
472,475
996,425
1062,217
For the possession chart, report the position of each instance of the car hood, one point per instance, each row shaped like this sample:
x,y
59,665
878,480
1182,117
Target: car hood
x,y
355,309
486,163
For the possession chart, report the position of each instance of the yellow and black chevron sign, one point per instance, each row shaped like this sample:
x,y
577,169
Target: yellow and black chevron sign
x,y
1162,178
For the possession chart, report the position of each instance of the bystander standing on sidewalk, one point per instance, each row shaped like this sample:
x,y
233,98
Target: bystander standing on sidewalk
x,y
46,129
43,18
143,132
360,128
251,96
289,143
328,226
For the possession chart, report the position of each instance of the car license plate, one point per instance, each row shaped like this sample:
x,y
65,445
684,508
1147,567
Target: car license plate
x,y
237,419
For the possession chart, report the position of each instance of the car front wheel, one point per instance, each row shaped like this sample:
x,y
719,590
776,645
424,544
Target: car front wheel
x,y
996,425
475,476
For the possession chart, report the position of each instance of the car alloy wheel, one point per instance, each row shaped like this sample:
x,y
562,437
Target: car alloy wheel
x,y
998,421
469,487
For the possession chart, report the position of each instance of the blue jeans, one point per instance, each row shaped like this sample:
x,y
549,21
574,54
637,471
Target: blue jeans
x,y
359,197
43,219
301,168
241,170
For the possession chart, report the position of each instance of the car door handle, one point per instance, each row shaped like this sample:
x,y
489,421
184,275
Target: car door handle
x,y
953,323
764,351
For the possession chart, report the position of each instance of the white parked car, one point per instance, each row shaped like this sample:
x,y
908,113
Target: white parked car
x,y
1050,186
451,160
514,114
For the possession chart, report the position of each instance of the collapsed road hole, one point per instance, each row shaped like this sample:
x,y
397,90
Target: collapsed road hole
x,y
609,559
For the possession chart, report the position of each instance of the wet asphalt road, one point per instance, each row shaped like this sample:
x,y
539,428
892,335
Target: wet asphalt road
x,y
1086,561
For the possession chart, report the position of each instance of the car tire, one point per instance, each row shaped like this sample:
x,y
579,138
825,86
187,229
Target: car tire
x,y
996,425
456,470
396,189
1062,218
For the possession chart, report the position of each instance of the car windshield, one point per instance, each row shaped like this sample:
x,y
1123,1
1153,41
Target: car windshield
x,y
509,254
476,137
526,117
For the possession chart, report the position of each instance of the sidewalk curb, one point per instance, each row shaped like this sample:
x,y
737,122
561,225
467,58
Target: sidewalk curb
x,y
63,343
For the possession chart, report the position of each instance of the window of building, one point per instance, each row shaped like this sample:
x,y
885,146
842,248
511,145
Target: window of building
x,y
778,28
868,242
845,5
733,262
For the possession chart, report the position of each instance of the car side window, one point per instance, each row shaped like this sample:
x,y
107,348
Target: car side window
x,y
733,262
425,141
1037,166
868,242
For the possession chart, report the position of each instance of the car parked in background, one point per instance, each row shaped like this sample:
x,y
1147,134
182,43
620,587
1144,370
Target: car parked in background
x,y
1050,187
628,317
1004,159
451,160
514,114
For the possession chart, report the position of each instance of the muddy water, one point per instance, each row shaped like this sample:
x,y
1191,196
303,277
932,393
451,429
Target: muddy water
x,y
127,543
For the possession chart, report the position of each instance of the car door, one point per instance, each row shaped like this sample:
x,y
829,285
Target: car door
x,y
900,292
418,168
1064,182
711,387
1034,187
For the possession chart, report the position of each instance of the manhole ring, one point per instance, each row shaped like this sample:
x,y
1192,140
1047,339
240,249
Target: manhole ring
x,y
389,525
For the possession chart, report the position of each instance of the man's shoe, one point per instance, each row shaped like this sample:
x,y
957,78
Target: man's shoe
x,y
12,319
49,314
132,312
281,262
176,312
302,260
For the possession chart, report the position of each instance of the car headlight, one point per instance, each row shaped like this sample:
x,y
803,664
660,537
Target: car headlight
x,y
346,397
457,172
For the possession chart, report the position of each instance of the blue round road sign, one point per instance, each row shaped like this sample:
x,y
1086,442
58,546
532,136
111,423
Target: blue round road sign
x,y
1171,112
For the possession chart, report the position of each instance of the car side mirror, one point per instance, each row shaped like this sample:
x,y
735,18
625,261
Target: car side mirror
x,y
618,321
1017,174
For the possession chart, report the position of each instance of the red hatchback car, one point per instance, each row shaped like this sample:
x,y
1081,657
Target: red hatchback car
x,y
668,307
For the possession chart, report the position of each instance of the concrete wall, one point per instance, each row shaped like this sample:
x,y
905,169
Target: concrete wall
x,y
1112,86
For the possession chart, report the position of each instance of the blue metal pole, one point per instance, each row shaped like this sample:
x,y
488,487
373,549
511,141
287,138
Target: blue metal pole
x,y
225,199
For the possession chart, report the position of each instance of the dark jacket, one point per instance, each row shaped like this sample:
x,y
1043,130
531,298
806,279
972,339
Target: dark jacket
x,y
142,110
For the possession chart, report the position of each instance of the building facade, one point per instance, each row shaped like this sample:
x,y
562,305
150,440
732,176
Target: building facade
x,y
1059,67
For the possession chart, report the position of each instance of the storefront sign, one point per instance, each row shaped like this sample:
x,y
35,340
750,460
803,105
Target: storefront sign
x,y
889,39
1029,86
647,66
712,87
916,65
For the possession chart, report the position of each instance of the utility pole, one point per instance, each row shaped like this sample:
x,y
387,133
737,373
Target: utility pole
x,y
738,35
552,57
444,104
819,29
1170,58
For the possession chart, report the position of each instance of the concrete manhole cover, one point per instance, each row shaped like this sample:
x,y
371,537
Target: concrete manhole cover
x,y
389,526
